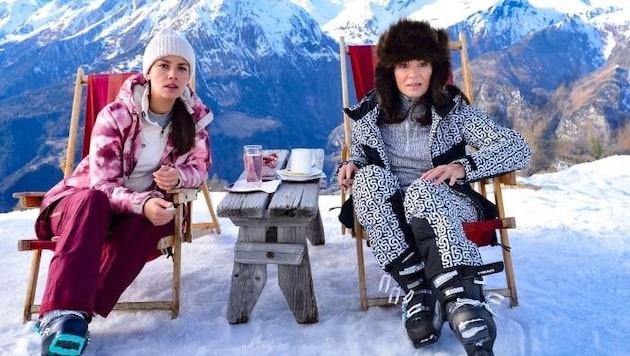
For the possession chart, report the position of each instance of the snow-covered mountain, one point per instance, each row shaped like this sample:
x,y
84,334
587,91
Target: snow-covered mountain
x,y
270,69
265,68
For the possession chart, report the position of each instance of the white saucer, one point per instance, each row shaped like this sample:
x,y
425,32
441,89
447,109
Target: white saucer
x,y
241,186
287,175
287,172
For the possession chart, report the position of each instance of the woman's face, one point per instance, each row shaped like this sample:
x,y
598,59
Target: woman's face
x,y
413,77
168,76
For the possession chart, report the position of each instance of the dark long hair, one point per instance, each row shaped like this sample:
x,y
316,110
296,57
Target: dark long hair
x,y
183,130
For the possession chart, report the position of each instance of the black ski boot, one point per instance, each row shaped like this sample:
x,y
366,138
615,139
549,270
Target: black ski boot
x,y
421,310
63,332
467,312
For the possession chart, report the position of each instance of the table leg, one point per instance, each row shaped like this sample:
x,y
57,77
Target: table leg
x,y
248,280
315,230
296,281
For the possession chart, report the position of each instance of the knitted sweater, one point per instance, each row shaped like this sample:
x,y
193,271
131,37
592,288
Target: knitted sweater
x,y
407,145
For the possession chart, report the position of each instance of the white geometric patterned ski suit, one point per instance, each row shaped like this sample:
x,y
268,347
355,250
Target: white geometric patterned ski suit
x,y
378,200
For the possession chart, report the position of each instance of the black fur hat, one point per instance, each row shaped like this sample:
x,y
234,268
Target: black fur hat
x,y
407,40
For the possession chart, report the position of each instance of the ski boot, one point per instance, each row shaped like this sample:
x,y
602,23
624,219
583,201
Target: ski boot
x,y
421,310
467,312
63,332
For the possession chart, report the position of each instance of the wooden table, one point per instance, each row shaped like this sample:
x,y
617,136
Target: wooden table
x,y
273,228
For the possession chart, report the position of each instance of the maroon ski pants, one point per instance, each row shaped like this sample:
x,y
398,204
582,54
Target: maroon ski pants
x,y
98,254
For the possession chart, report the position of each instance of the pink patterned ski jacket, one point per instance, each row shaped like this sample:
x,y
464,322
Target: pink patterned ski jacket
x,y
115,146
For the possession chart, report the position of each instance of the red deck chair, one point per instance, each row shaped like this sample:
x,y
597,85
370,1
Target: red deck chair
x,y
363,62
102,89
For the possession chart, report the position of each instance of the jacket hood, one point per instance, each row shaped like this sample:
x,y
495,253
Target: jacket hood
x,y
134,93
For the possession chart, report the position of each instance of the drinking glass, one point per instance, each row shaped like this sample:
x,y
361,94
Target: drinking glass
x,y
253,163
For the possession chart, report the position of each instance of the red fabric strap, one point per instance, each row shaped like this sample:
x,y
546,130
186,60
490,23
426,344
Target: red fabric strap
x,y
482,233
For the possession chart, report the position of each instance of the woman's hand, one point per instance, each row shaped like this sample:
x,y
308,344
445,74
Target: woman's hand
x,y
346,171
166,177
158,211
451,172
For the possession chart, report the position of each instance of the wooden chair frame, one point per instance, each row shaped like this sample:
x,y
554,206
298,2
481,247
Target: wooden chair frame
x,y
182,199
502,223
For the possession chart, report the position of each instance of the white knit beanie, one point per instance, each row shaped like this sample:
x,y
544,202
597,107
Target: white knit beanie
x,y
168,43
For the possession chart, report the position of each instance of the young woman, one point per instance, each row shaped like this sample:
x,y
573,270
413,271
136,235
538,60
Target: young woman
x,y
110,214
411,172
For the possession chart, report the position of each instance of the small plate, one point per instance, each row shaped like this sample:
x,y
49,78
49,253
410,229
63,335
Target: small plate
x,y
241,186
288,173
288,176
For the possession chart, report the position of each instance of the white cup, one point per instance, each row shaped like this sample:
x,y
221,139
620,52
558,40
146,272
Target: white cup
x,y
301,161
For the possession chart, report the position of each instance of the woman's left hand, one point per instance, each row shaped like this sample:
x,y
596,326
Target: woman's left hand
x,y
158,211
166,177
451,172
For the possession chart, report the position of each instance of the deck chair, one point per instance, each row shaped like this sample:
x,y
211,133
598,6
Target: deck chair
x,y
363,63
102,89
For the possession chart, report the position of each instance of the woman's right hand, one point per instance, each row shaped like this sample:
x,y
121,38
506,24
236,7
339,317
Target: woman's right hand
x,y
158,211
346,171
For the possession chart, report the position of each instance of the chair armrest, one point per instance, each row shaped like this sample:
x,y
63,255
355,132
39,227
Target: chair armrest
x,y
508,178
184,195
34,244
29,199
487,225
34,199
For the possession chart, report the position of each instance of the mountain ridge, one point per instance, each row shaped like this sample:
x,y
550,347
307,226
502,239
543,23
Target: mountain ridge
x,y
269,68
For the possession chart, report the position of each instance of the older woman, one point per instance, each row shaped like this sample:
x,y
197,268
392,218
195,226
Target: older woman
x,y
411,172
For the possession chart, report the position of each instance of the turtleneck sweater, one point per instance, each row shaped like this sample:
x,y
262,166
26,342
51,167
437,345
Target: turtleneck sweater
x,y
407,144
